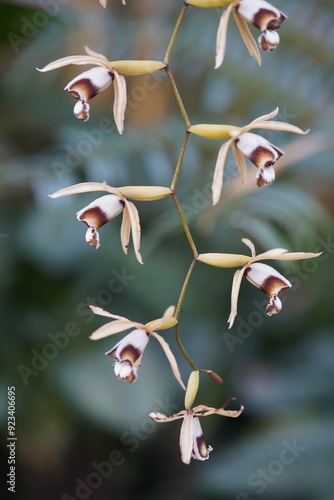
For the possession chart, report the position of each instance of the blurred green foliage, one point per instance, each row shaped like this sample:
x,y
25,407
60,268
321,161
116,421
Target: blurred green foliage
x,y
72,412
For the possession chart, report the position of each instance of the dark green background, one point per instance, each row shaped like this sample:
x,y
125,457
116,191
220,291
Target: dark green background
x,y
72,412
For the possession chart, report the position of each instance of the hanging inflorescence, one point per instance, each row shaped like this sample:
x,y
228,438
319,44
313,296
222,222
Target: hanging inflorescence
x,y
243,142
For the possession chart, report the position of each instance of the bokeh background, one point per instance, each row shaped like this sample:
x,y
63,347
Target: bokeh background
x,y
72,413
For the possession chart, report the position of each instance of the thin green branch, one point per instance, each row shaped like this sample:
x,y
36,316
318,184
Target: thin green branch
x,y
183,350
185,226
179,161
178,98
178,312
175,33
179,304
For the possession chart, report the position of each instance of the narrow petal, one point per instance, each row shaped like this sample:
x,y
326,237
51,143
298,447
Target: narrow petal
x,y
119,101
237,278
85,187
169,313
114,327
95,54
125,231
200,449
297,255
221,36
218,175
101,312
103,3
170,357
77,60
240,161
250,245
248,38
274,253
187,437
273,125
229,413
204,411
266,117
135,228
157,416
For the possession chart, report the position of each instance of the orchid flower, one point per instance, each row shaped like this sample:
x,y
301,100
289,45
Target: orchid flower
x,y
87,85
129,351
264,277
259,13
244,143
192,443
90,83
105,208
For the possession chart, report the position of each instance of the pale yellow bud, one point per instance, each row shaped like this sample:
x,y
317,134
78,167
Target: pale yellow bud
x,y
209,4
223,259
145,193
133,67
192,388
214,131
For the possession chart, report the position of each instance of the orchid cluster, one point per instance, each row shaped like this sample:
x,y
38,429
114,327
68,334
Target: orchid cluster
x,y
128,352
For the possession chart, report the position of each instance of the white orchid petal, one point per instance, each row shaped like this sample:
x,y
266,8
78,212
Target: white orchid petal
x,y
248,38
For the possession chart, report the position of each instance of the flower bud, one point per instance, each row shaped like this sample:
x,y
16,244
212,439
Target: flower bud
x,y
209,4
213,131
192,388
214,376
145,193
223,259
90,83
132,68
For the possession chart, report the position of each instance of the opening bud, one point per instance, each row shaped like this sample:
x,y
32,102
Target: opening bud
x,y
192,388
